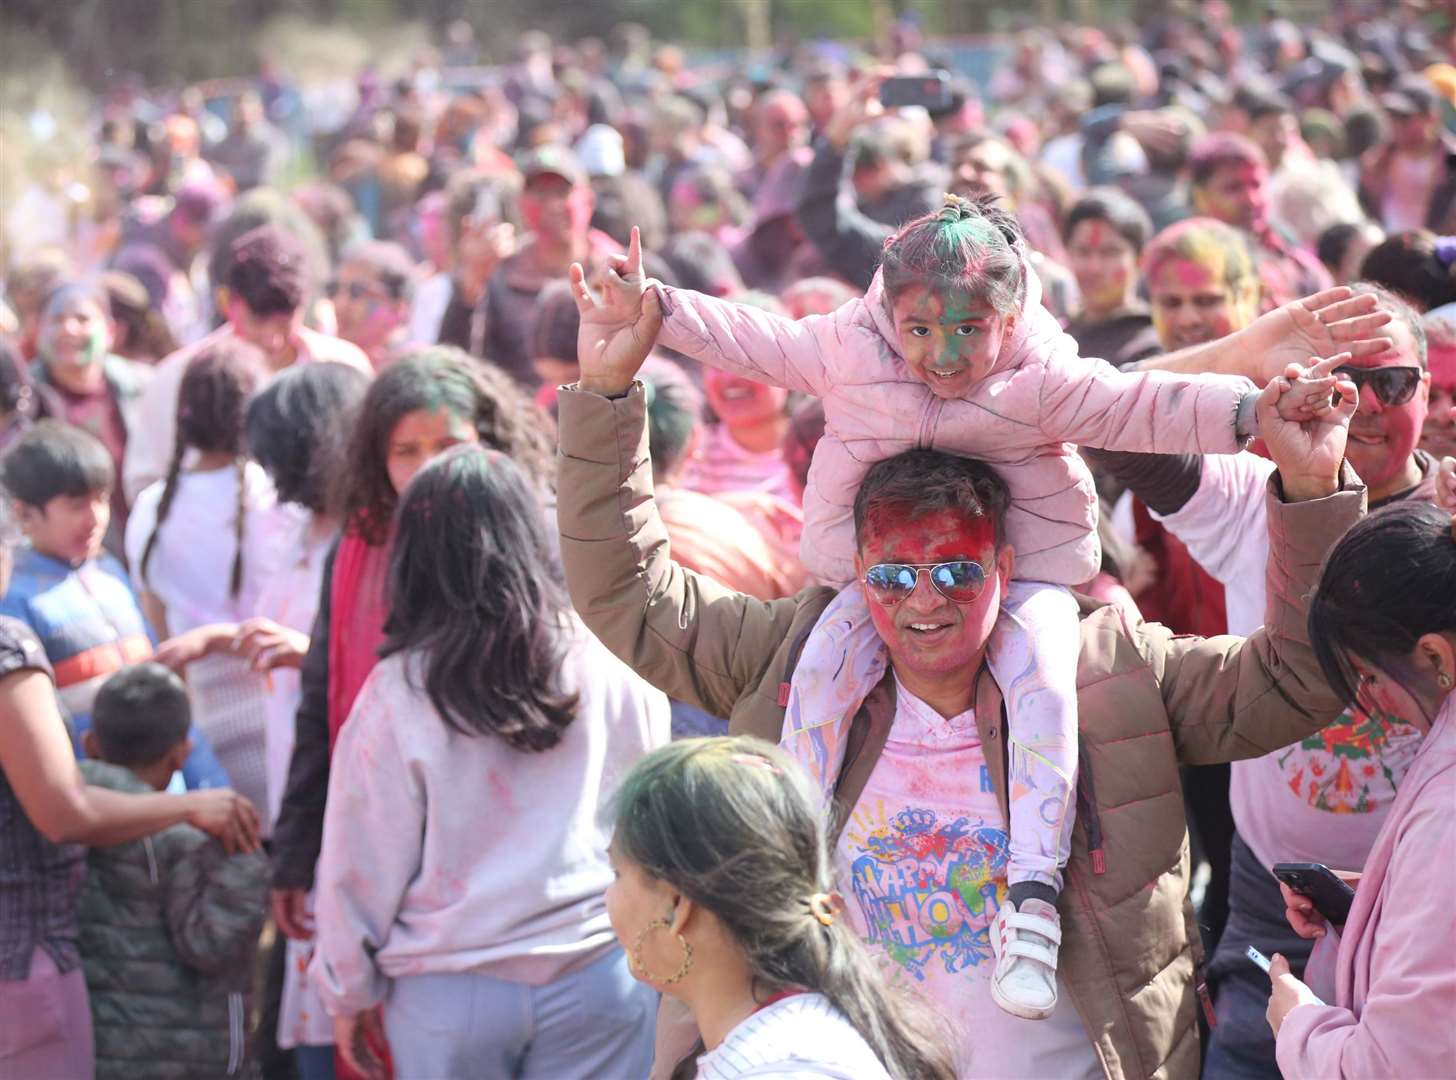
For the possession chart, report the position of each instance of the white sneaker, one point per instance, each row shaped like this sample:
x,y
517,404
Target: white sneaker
x,y
1025,943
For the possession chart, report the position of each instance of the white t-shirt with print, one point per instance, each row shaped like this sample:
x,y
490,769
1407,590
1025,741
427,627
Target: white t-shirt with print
x,y
1324,798
922,866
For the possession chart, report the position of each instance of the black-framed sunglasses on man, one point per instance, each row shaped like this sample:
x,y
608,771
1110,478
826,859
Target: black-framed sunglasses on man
x,y
1392,385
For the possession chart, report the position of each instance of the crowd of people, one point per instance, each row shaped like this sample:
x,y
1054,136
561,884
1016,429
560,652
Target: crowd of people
x,y
624,566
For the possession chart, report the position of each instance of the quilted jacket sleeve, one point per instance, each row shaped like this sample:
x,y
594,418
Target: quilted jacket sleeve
x,y
1229,697
691,637
755,344
1091,403
215,904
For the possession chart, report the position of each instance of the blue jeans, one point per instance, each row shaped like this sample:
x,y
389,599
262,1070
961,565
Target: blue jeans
x,y
314,1062
1242,1046
594,1024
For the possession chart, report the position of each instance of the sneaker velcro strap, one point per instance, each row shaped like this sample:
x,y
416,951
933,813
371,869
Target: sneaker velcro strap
x,y
1034,924
1030,950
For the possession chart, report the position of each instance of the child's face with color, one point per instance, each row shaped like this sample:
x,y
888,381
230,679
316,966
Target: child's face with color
x,y
950,341
68,528
418,438
930,636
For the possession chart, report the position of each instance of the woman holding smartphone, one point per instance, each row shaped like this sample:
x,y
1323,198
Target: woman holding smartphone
x,y
1383,624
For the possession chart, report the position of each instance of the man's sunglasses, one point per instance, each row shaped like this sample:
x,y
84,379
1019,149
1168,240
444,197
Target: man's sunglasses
x,y
960,581
1392,385
355,290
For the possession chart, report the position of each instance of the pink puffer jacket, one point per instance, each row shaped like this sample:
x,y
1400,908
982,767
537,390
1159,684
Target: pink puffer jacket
x,y
1040,399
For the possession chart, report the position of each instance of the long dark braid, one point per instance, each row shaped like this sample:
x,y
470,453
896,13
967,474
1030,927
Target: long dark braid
x,y
169,491
211,402
240,463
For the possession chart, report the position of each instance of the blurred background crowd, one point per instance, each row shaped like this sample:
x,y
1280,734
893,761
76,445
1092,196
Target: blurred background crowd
x,y
440,194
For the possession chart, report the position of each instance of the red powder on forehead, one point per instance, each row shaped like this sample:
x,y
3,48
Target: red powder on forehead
x,y
892,534
1190,275
1096,233
1441,362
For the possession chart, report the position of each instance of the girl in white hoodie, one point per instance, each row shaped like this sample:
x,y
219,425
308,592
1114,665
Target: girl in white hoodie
x,y
464,866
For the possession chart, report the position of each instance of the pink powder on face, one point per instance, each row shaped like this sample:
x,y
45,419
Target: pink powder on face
x,y
890,535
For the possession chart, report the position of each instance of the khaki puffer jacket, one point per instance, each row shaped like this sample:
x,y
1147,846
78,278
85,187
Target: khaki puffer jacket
x,y
1149,701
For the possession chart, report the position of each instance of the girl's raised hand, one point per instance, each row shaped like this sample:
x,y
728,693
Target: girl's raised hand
x,y
1307,449
1308,393
619,329
623,286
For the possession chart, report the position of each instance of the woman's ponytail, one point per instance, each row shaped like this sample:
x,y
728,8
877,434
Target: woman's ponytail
x,y
899,1029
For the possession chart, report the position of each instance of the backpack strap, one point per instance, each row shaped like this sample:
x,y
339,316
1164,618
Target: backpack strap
x,y
791,663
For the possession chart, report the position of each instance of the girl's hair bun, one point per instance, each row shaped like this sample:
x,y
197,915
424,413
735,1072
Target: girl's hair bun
x,y
956,208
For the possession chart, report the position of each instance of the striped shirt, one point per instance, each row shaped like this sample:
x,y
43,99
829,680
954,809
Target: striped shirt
x,y
721,465
795,1038
87,617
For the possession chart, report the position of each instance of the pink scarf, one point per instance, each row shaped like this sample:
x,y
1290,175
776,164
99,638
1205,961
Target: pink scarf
x,y
356,622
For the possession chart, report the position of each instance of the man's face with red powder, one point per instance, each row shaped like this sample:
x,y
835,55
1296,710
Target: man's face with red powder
x,y
930,637
1382,436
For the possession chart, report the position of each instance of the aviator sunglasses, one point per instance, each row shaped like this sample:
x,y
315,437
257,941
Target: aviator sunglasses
x,y
960,581
1392,385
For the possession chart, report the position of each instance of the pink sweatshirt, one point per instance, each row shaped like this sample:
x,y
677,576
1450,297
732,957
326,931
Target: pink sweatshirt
x,y
1040,398
1394,1012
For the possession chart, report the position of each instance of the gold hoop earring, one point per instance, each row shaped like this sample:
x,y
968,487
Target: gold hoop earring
x,y
641,968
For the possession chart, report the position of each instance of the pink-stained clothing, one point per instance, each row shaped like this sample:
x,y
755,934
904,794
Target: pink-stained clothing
x,y
1028,654
721,466
745,545
446,853
1394,1009
923,864
151,443
1039,398
1324,798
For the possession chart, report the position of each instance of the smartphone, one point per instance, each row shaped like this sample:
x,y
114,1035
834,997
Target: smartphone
x,y
1331,896
930,91
1261,962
